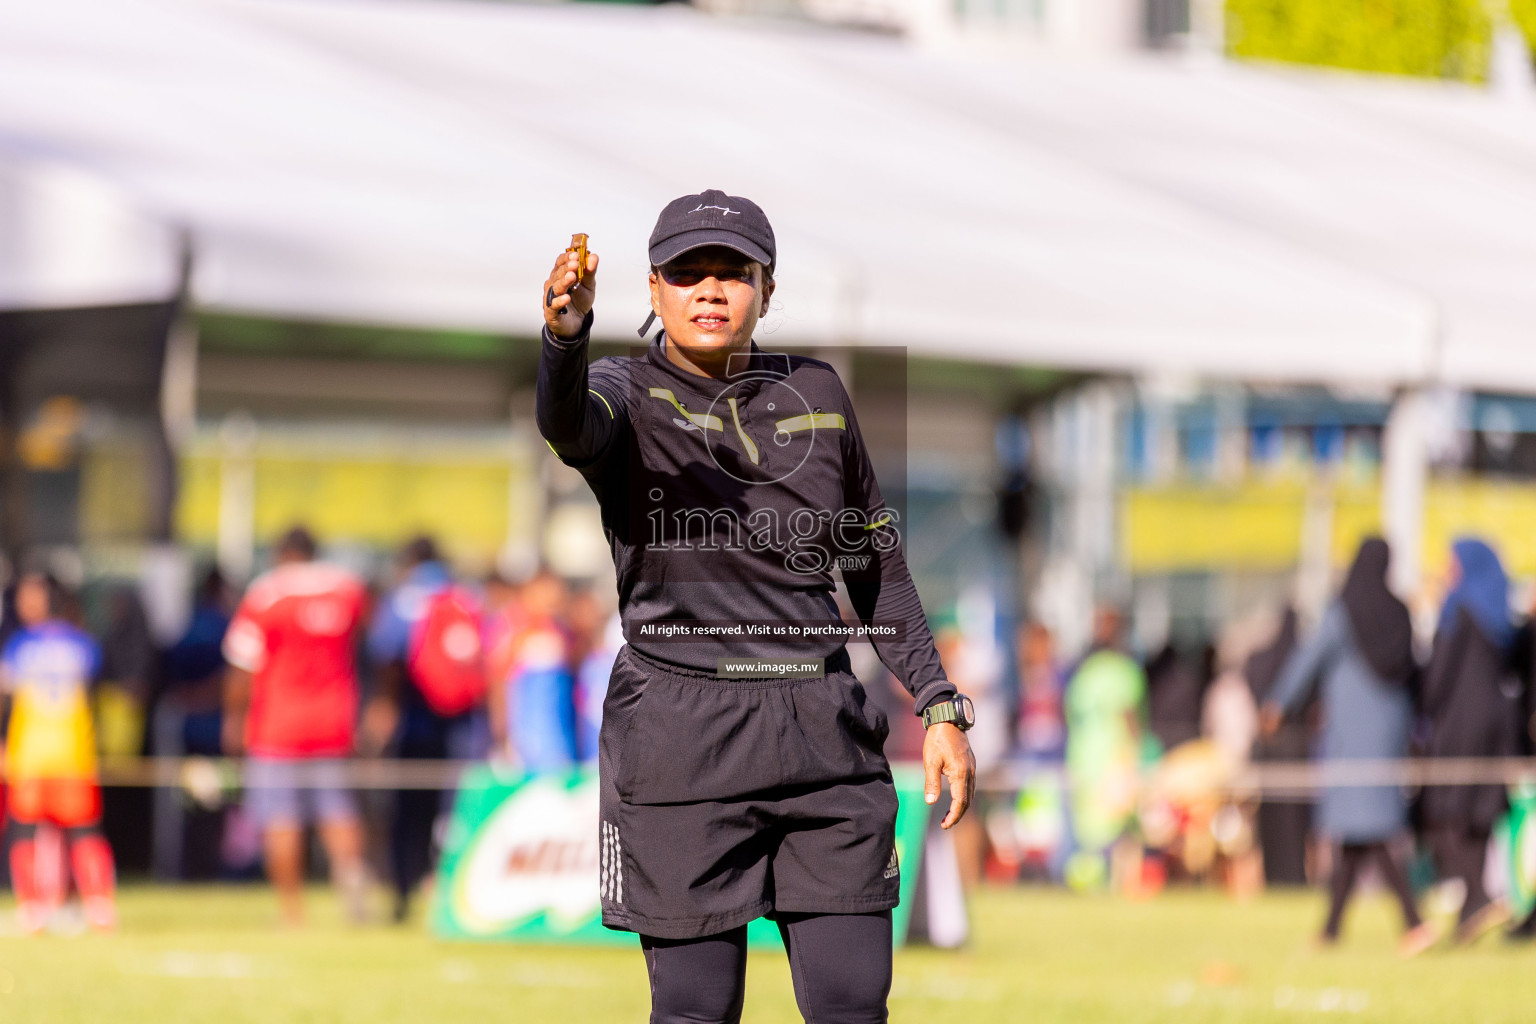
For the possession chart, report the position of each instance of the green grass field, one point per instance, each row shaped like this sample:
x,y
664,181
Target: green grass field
x,y
216,956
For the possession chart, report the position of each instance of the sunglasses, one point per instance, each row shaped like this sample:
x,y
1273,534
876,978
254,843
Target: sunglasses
x,y
688,275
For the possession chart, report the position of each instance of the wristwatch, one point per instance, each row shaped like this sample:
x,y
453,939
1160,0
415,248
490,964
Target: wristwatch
x,y
958,711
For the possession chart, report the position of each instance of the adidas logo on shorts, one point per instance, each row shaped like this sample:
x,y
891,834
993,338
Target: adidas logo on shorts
x,y
892,869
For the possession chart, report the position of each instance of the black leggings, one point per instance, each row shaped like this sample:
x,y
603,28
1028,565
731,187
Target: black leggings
x,y
840,963
1349,860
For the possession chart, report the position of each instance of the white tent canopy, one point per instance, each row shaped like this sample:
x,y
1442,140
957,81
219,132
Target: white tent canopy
x,y
70,239
421,162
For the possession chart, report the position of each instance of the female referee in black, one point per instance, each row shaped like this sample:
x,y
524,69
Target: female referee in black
x,y
740,763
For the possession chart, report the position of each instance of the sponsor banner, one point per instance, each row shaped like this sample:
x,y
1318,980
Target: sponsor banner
x,y
522,857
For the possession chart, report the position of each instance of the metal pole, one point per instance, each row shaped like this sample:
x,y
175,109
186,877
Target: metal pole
x,y
1404,476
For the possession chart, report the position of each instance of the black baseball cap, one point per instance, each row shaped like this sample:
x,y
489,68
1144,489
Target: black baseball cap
x,y
712,218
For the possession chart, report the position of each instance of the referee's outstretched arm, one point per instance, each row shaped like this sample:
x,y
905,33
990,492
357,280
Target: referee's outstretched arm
x,y
577,422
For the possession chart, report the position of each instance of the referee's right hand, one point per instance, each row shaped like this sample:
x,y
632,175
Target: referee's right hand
x,y
566,303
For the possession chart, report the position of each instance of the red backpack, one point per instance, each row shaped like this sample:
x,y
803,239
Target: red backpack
x,y
446,660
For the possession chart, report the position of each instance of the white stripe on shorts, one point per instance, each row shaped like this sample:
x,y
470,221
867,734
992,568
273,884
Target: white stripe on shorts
x,y
611,880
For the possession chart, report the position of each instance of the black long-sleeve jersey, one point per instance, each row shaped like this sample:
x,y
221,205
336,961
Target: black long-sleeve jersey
x,y
728,504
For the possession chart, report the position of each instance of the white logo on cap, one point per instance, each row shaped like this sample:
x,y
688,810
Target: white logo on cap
x,y
724,209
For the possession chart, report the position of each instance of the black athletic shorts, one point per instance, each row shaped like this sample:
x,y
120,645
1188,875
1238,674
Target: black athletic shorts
x,y
725,800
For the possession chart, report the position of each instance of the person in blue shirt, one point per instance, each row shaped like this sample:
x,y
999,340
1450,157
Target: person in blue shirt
x,y
533,679
194,667
47,669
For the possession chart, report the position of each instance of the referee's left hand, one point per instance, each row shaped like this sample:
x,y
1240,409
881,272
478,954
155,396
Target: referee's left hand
x,y
947,752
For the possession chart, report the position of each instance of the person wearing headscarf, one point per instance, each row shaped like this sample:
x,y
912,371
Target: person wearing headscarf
x,y
1282,824
1472,700
1360,663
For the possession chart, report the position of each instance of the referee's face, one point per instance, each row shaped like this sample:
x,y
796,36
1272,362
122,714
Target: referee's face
x,y
709,300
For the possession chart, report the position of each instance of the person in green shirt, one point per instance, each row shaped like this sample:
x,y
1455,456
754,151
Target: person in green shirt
x,y
1105,712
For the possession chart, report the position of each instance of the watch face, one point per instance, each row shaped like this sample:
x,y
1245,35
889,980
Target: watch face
x,y
967,710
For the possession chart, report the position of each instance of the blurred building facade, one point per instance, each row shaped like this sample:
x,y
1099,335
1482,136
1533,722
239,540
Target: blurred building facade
x,y
1195,504
1212,324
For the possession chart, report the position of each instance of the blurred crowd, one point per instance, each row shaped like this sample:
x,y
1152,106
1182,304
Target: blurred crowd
x,y
311,666
1102,770
1133,772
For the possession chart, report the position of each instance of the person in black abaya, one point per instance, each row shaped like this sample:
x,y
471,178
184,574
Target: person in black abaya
x,y
1282,824
1471,697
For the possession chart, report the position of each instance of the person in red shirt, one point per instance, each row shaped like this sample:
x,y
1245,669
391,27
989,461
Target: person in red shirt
x,y
290,704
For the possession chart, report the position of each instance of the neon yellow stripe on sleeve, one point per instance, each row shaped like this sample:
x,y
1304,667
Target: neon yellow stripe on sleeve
x,y
600,398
